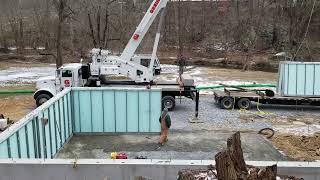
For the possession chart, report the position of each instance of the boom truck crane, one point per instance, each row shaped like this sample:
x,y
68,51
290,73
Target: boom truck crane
x,y
139,69
104,64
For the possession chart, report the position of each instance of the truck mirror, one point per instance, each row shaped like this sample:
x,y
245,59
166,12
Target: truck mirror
x,y
85,72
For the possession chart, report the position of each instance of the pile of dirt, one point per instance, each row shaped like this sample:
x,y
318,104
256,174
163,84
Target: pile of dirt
x,y
299,148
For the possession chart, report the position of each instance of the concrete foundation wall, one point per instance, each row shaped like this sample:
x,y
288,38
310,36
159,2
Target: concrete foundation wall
x,y
128,169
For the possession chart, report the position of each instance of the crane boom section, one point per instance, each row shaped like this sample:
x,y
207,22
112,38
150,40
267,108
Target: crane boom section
x,y
142,29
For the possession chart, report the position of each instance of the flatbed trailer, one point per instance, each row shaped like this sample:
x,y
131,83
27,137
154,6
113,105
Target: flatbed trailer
x,y
229,99
170,91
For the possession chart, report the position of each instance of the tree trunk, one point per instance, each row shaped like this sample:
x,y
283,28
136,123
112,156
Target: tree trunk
x,y
72,37
92,31
20,40
46,29
59,60
106,29
98,27
3,39
203,27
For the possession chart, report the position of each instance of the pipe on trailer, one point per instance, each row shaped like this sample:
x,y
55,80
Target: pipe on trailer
x,y
241,86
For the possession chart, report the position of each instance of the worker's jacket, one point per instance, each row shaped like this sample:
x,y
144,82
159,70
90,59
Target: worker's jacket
x,y
167,119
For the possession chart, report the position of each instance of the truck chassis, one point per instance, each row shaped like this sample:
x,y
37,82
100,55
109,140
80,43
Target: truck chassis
x,y
229,99
170,90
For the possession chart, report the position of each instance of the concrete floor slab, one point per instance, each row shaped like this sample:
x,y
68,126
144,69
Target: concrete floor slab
x,y
196,145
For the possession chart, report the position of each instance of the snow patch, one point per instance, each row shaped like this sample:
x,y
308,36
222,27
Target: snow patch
x,y
24,75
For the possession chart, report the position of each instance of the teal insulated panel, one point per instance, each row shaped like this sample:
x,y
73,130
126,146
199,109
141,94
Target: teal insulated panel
x,y
299,79
41,133
116,110
44,131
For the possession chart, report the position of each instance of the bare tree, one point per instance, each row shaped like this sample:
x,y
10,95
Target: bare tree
x,y
100,36
64,12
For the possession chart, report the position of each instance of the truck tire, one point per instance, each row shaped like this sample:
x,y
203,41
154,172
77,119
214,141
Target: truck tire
x,y
244,103
227,103
168,102
42,98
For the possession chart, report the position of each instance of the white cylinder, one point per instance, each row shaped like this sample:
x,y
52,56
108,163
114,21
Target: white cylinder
x,y
3,123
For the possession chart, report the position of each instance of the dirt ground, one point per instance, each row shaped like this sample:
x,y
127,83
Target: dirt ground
x,y
297,136
236,74
299,148
15,107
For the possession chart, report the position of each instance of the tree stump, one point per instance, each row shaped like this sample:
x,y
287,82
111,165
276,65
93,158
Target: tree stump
x,y
236,155
225,166
230,164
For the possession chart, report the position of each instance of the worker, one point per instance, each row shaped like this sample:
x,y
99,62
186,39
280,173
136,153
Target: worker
x,y
165,122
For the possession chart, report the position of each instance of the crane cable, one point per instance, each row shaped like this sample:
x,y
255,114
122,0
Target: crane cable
x,y
307,30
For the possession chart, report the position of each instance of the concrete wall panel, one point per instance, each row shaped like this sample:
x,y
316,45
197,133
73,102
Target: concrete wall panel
x,y
128,169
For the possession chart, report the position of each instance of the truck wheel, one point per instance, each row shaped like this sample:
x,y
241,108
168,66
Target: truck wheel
x,y
244,103
42,98
227,103
168,102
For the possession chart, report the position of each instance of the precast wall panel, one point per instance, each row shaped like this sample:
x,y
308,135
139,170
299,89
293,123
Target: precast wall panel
x,y
44,131
41,133
116,110
299,79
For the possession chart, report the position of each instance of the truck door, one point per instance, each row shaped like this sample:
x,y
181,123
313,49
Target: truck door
x,y
66,78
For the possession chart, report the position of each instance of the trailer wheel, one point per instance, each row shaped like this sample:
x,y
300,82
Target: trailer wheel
x,y
42,98
244,103
227,103
168,102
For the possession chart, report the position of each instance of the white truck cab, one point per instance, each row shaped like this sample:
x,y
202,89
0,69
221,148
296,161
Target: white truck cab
x,y
68,75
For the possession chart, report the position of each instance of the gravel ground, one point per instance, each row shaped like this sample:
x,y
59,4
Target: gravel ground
x,y
214,118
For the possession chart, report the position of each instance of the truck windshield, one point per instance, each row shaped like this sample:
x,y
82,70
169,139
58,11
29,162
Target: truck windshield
x,y
66,73
145,62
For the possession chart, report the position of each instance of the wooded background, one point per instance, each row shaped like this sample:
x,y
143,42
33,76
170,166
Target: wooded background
x,y
209,29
